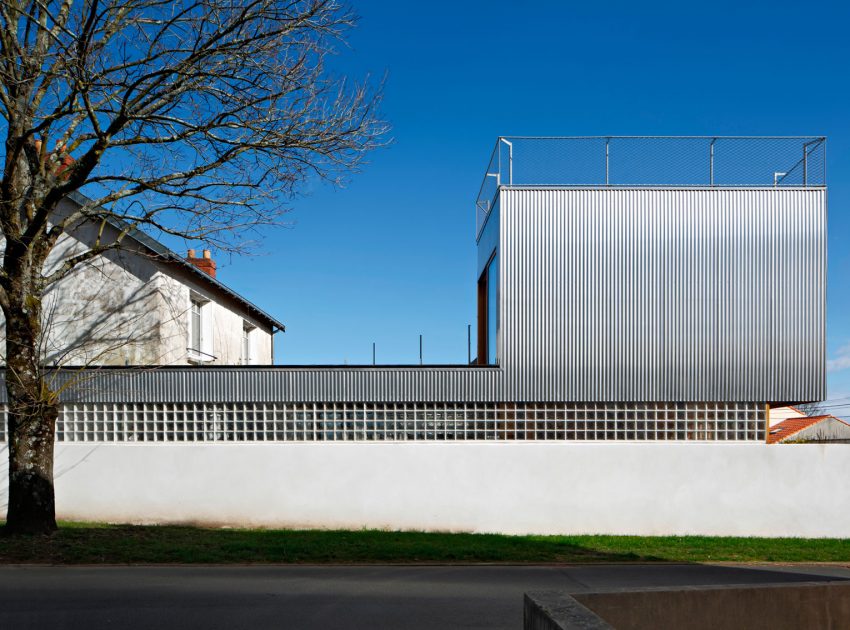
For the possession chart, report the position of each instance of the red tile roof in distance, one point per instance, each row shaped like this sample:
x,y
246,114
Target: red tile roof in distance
x,y
789,427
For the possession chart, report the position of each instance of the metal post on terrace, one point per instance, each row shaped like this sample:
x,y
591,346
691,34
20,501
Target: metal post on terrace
x,y
652,161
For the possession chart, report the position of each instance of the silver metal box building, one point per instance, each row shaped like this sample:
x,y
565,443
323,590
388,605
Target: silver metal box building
x,y
629,289
700,291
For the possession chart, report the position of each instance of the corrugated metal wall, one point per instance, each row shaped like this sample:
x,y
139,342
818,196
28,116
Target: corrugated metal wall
x,y
670,295
679,294
279,384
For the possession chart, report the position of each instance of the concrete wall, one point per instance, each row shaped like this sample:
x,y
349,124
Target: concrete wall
x,y
755,607
824,605
648,489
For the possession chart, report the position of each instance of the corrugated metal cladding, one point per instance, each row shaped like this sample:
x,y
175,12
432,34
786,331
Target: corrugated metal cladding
x,y
280,384
667,295
675,294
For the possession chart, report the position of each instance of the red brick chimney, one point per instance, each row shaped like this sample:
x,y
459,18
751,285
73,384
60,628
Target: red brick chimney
x,y
205,264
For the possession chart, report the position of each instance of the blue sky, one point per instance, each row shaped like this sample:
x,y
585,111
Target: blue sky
x,y
392,255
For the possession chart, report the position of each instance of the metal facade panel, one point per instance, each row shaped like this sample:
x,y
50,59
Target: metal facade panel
x,y
663,294
280,384
623,295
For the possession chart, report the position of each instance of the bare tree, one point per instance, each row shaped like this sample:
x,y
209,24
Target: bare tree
x,y
192,118
818,408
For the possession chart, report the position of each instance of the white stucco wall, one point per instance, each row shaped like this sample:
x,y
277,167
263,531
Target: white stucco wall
x,y
224,324
126,308
780,414
647,489
104,312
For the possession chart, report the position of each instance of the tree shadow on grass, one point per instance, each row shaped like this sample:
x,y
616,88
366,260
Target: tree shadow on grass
x,y
76,543
91,543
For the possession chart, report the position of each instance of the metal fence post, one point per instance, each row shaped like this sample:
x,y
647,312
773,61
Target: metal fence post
x,y
510,159
743,157
711,163
805,163
822,142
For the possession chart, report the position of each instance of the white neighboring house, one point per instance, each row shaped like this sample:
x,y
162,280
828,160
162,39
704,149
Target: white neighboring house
x,y
145,305
780,414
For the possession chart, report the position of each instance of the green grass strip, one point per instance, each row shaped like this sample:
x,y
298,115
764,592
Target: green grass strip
x,y
90,543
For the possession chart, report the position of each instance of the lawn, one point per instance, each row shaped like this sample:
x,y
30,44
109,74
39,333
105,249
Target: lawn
x,y
97,543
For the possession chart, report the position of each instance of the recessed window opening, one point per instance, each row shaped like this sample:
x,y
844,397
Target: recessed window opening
x,y
199,337
493,310
488,313
195,327
247,350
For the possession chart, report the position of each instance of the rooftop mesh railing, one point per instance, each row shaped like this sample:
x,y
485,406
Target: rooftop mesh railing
x,y
652,161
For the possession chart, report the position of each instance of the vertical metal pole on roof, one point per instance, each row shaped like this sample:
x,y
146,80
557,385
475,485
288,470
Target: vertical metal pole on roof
x,y
420,349
510,159
468,344
373,353
711,163
607,171
497,156
805,163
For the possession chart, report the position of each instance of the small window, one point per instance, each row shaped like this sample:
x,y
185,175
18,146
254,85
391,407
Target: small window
x,y
247,353
195,327
200,330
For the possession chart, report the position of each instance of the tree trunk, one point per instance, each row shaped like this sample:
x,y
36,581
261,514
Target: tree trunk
x,y
32,411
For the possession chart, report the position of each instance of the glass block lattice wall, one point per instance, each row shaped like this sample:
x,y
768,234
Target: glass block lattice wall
x,y
300,422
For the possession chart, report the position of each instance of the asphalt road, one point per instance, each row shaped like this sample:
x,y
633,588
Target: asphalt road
x,y
326,597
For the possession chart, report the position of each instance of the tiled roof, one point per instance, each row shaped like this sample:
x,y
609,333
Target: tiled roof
x,y
789,427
